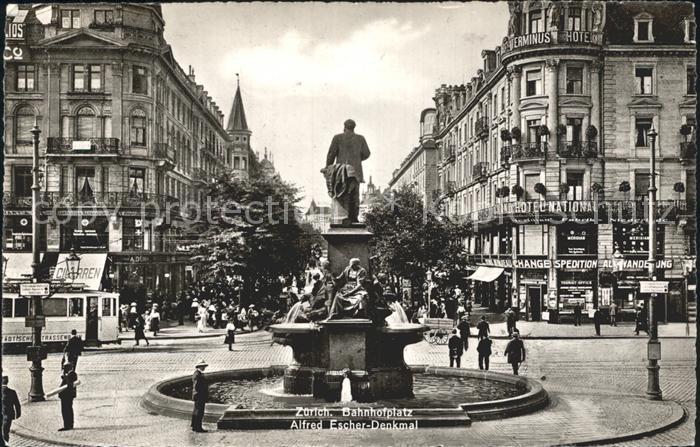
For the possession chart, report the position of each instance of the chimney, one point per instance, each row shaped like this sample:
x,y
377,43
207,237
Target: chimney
x,y
190,74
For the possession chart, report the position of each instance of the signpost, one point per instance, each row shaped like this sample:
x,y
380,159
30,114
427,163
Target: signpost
x,y
653,286
34,289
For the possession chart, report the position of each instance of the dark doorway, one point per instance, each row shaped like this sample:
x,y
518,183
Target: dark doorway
x,y
535,297
92,324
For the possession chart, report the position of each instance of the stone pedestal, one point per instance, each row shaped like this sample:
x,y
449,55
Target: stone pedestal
x,y
346,242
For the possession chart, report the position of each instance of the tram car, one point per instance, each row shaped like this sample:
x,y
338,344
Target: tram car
x,y
93,314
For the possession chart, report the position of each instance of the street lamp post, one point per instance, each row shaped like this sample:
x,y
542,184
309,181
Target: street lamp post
x,y
36,353
654,345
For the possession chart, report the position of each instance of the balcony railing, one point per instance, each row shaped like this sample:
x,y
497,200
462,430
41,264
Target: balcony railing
x,y
578,149
688,150
54,199
481,128
529,151
62,145
163,151
448,153
480,171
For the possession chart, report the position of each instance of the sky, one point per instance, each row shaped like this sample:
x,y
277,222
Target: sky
x,y
307,67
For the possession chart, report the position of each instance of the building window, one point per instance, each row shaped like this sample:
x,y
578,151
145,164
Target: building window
x,y
533,84
574,23
642,127
24,123
641,185
70,18
22,181
503,98
573,130
533,136
644,80
138,128
689,31
104,17
87,78
139,82
690,81
25,78
136,178
575,182
132,234
536,23
574,80
86,124
530,181
643,28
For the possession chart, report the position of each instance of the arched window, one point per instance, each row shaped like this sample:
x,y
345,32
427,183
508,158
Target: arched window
x,y
138,127
24,119
86,124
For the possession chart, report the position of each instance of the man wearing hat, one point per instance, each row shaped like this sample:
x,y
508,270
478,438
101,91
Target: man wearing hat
x,y
454,344
73,348
464,331
200,394
11,409
68,379
515,351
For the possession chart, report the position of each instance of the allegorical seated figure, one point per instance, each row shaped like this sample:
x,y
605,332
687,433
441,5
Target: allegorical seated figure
x,y
350,300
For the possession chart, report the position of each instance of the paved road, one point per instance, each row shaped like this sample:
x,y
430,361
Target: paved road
x,y
583,377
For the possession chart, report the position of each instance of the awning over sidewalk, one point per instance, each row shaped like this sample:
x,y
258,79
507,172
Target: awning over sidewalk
x,y
486,274
19,265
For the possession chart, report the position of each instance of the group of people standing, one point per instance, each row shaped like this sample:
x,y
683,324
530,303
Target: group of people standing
x,y
459,344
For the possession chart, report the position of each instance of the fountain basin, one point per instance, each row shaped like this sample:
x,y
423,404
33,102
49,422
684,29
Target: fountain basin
x,y
443,397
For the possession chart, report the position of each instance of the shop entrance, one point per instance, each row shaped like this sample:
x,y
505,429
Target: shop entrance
x,y
534,295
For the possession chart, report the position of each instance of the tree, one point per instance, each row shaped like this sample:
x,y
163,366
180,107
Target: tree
x,y
409,240
250,230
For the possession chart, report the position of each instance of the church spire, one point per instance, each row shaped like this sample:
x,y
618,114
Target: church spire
x,y
236,119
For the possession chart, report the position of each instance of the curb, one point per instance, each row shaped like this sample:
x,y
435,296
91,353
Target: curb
x,y
587,337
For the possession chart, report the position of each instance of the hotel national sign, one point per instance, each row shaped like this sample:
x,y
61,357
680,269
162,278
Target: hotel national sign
x,y
556,37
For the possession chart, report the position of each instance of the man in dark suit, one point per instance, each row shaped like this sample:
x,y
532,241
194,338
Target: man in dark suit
x,y
455,347
67,396
73,348
464,332
577,315
484,350
200,394
597,320
515,351
483,328
11,409
351,149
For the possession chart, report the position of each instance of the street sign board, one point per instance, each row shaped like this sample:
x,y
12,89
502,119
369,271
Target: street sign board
x,y
35,321
653,286
34,289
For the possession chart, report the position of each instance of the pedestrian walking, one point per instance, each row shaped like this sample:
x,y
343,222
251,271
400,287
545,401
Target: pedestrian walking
x,y
194,308
577,315
597,320
140,330
464,332
124,318
230,334
133,314
510,321
483,327
200,394
73,349
640,321
484,350
180,309
11,408
155,320
613,314
67,395
455,348
515,352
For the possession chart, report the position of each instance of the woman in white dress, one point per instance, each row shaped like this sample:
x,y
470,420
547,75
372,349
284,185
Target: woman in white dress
x,y
203,315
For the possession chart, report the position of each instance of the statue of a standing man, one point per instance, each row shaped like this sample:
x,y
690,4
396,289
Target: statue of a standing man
x,y
343,173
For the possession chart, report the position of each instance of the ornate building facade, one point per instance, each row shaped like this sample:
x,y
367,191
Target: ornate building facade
x,y
127,140
546,152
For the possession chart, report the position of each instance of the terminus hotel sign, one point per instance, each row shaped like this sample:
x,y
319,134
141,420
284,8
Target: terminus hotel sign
x,y
554,37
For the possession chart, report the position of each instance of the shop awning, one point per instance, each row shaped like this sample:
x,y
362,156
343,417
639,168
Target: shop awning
x,y
19,265
90,271
486,274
